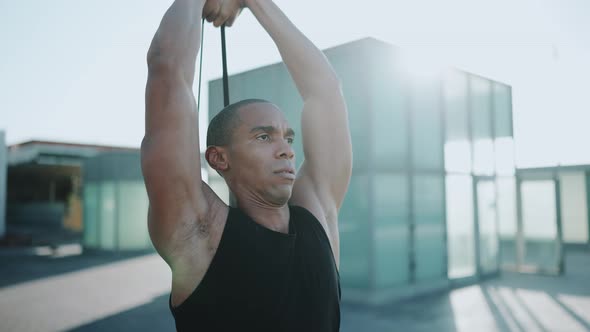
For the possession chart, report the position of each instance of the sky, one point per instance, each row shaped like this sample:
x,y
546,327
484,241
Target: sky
x,y
75,71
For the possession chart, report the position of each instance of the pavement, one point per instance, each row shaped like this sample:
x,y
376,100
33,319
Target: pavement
x,y
63,290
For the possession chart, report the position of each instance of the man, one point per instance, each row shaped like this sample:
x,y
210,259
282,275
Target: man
x,y
269,264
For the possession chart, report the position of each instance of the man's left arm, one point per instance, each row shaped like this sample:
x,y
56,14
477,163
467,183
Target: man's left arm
x,y
323,178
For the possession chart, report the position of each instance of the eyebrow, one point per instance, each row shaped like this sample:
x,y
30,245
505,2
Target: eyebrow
x,y
272,129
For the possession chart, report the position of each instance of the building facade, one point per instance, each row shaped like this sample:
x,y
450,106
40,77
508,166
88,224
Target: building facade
x,y
115,203
44,190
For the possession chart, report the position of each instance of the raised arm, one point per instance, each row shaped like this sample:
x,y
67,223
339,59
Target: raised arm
x,y
170,157
325,173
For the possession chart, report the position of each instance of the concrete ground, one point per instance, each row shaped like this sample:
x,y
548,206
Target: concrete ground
x,y
61,291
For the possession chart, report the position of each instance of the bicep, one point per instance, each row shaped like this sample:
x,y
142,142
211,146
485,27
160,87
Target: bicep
x,y
327,145
170,157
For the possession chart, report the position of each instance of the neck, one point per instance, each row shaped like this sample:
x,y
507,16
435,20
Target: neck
x,y
272,217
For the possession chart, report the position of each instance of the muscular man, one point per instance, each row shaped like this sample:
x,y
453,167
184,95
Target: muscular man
x,y
269,264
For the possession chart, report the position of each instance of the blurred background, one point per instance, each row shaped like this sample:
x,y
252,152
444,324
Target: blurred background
x,y
468,208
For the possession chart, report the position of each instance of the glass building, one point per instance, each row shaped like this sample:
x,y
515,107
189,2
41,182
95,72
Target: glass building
x,y
433,187
43,190
115,203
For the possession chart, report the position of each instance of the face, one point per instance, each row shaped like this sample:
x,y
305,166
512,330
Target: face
x,y
261,159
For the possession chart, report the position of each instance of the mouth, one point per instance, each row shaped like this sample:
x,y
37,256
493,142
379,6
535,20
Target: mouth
x,y
288,173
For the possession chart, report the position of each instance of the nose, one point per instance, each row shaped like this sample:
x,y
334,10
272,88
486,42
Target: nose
x,y
285,151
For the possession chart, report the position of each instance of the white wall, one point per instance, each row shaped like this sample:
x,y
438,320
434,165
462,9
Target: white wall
x,y
574,210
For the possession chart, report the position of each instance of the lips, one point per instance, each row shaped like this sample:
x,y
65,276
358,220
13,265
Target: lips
x,y
286,170
288,173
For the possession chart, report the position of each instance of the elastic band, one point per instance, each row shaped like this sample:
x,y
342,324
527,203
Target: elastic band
x,y
200,66
224,61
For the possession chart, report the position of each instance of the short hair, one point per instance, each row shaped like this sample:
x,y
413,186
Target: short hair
x,y
221,127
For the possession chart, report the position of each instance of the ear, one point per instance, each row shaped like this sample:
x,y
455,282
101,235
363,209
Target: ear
x,y
217,158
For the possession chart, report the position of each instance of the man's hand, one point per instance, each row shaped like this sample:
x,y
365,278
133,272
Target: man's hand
x,y
211,9
222,11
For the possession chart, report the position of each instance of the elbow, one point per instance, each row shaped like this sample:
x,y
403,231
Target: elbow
x,y
336,81
158,63
158,60
333,84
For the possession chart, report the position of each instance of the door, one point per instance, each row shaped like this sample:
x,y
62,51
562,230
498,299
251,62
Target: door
x,y
486,224
539,243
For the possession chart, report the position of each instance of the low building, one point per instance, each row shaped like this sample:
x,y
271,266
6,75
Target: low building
x,y
44,189
553,215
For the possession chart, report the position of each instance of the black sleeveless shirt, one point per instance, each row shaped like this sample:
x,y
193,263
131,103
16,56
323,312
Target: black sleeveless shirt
x,y
262,280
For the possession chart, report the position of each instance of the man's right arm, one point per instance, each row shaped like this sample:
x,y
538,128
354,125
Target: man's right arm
x,y
170,156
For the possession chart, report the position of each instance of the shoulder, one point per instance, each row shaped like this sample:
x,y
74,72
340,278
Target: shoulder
x,y
316,199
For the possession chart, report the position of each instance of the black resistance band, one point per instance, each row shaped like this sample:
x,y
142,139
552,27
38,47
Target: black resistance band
x,y
200,66
224,61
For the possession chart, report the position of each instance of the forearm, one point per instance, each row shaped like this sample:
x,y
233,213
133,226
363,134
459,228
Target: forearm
x,y
309,68
176,42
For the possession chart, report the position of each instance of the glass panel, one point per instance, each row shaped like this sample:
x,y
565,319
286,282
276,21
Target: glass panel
x,y
353,78
504,143
507,224
354,234
132,215
428,199
504,155
488,236
458,156
460,230
483,157
390,129
481,126
502,110
427,145
457,146
481,113
574,209
430,252
539,218
391,229
429,242
260,83
107,215
455,96
215,100
90,222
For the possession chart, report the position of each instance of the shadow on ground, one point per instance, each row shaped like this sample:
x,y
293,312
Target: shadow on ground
x,y
22,265
153,316
512,302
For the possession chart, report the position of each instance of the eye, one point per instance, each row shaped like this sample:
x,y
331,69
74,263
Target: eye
x,y
290,140
263,137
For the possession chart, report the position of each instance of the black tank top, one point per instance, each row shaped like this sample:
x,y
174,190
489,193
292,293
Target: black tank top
x,y
262,280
